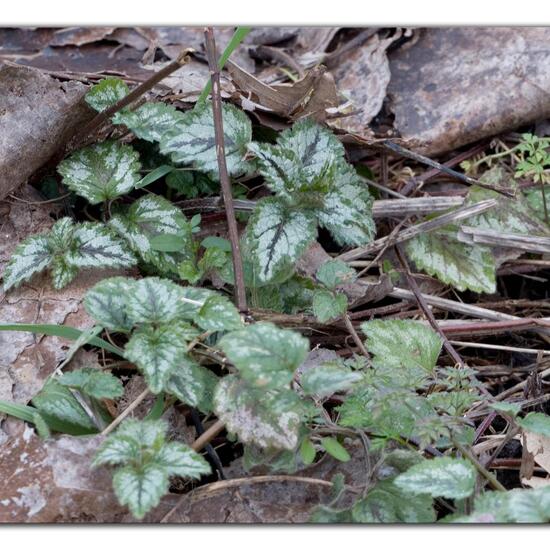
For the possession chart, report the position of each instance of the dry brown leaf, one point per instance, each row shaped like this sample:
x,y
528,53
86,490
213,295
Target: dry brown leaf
x,y
457,85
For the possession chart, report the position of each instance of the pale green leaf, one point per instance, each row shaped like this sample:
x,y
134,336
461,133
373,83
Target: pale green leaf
x,y
93,382
151,120
266,418
325,380
31,256
328,305
106,302
101,172
536,202
149,217
439,477
140,489
334,273
157,351
106,93
404,351
440,254
538,423
307,452
147,433
265,355
180,460
334,448
278,236
168,243
192,140
386,503
506,407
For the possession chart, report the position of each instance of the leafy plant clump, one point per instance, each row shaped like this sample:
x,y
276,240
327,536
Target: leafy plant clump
x,y
398,400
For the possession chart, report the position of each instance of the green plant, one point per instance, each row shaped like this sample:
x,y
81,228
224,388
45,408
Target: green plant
x,y
145,461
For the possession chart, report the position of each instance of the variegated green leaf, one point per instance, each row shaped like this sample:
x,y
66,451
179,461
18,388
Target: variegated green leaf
x,y
154,300
147,433
61,411
511,215
328,305
334,273
192,384
265,355
151,120
439,253
101,172
117,449
149,217
218,313
440,477
387,503
157,351
62,272
535,200
278,237
266,418
405,351
93,382
535,422
347,210
140,489
106,302
180,460
31,256
106,93
192,140
325,380
97,246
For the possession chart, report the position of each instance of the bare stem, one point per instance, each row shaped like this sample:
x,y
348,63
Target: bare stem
x,y
224,176
208,435
126,412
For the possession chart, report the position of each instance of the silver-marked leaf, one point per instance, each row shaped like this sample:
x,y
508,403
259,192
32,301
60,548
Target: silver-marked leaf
x,y
440,254
347,210
278,237
93,382
192,140
510,215
325,380
180,460
106,302
151,120
153,300
95,245
266,418
31,256
61,410
192,384
140,489
218,313
334,273
62,272
147,433
265,355
106,93
149,217
117,449
440,477
535,200
61,235
101,172
328,305
405,351
157,351
538,423
386,503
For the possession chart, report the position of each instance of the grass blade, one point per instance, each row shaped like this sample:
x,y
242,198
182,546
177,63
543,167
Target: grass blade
x,y
238,36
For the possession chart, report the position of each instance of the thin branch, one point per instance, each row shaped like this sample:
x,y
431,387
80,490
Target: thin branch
x,y
125,412
208,435
224,176
354,335
136,93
